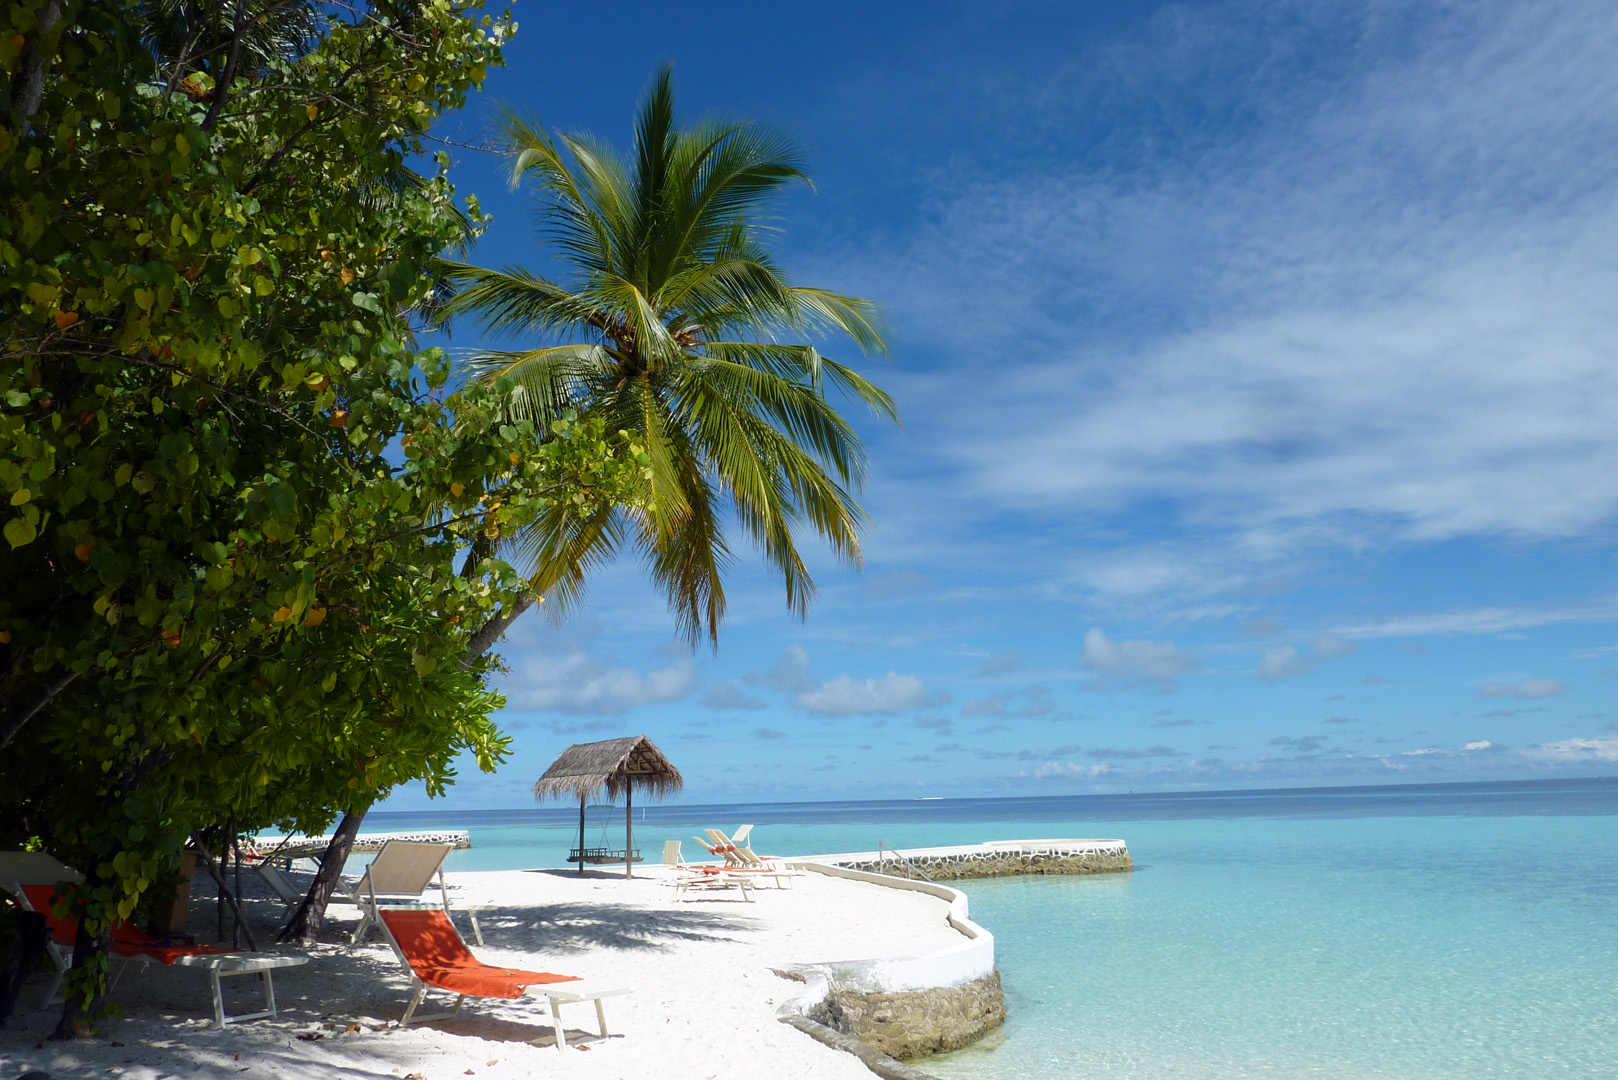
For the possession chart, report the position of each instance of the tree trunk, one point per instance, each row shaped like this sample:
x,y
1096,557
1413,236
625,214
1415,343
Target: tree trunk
x,y
28,80
78,1016
304,926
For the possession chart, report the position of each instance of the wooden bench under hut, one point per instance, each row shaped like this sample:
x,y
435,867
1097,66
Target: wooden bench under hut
x,y
612,766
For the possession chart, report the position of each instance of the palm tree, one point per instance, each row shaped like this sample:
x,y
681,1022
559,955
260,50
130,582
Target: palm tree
x,y
673,322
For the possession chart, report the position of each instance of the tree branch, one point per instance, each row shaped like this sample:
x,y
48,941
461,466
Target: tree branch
x,y
18,719
221,88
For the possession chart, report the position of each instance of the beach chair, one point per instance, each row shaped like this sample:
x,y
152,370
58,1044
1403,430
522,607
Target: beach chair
x,y
740,836
671,853
132,946
744,859
722,849
397,877
432,950
281,885
780,869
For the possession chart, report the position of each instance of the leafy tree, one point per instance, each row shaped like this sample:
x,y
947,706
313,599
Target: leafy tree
x,y
675,323
235,491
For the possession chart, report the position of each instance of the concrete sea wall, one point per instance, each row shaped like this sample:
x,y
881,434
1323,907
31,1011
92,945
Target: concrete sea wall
x,y
911,1007
304,847
1000,858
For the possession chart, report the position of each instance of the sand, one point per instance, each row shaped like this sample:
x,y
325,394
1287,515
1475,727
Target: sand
x,y
704,1001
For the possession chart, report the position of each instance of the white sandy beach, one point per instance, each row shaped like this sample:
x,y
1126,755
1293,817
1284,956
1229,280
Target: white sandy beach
x,y
704,1002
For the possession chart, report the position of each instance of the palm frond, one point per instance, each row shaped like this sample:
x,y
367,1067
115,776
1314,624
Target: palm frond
x,y
550,381
673,321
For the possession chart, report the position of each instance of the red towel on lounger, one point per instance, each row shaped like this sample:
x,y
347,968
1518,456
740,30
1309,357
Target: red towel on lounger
x,y
127,940
440,958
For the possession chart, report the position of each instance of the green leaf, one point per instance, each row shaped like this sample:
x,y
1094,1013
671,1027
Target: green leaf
x,y
19,533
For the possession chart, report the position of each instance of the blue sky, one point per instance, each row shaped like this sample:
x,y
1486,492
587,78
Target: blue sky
x,y
1257,371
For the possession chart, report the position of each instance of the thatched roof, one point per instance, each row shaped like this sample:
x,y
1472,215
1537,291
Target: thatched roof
x,y
585,769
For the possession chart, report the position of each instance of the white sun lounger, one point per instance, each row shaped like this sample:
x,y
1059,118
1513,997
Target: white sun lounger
x,y
397,877
42,873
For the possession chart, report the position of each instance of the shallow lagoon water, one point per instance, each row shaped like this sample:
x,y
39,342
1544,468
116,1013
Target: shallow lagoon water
x,y
1456,947
1462,932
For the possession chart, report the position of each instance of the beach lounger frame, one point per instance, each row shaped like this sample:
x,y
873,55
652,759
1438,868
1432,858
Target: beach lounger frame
x,y
568,990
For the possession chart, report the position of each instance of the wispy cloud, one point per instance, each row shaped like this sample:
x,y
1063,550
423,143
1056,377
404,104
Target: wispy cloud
x,y
843,696
1003,663
556,671
1486,620
1572,751
1528,689
1415,228
726,695
1283,662
1157,662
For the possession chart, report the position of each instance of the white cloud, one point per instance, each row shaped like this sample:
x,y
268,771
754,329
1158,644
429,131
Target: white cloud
x,y
573,681
725,695
564,669
1155,661
1570,751
1487,620
1001,664
1283,662
1528,689
843,696
1386,298
1481,744
1067,770
789,672
1327,645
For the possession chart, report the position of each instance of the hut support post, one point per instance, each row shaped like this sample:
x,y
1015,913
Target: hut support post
x,y
581,835
629,830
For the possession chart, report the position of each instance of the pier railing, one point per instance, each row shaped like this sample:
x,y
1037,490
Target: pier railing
x,y
911,869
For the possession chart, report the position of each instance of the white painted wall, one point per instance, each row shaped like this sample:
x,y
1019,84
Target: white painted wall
x,y
972,958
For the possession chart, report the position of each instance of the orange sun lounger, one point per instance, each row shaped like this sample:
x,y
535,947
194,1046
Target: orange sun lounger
x,y
131,944
428,944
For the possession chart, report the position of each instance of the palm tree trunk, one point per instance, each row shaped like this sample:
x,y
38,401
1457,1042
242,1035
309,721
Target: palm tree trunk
x,y
495,628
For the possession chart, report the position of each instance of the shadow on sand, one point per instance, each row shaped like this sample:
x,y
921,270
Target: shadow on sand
x,y
565,927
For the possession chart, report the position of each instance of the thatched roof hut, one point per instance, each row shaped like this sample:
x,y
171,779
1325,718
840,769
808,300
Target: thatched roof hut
x,y
613,766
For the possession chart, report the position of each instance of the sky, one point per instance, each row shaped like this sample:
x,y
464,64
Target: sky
x,y
1256,368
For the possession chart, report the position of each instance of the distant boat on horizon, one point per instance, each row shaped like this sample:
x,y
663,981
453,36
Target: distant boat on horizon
x,y
929,798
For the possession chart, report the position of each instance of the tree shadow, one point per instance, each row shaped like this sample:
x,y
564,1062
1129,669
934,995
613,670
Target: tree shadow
x,y
570,927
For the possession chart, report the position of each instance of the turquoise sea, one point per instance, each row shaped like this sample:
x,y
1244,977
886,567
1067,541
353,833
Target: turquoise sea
x,y
1462,931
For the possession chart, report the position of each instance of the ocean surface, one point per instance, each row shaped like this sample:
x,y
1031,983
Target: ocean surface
x,y
1456,931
